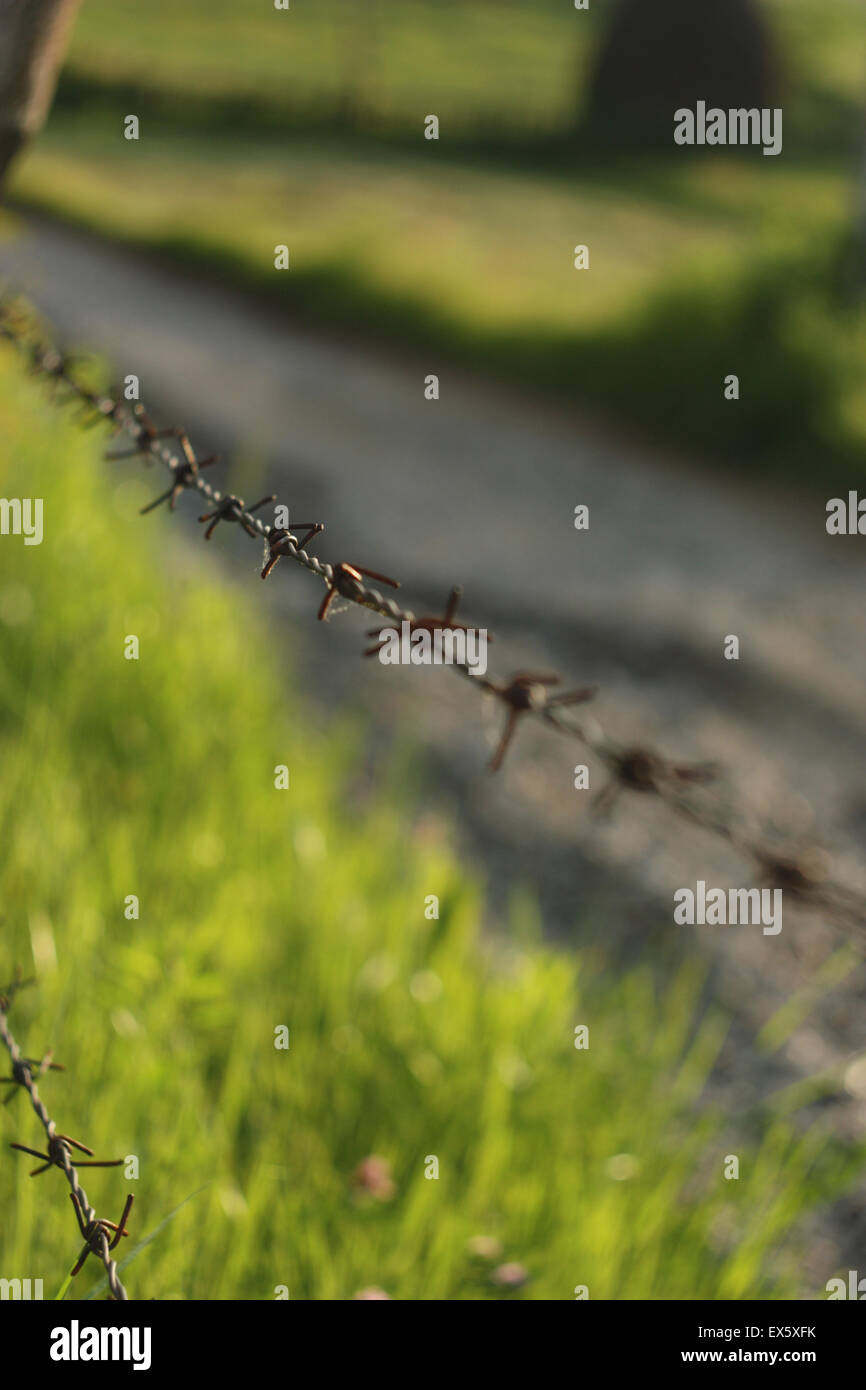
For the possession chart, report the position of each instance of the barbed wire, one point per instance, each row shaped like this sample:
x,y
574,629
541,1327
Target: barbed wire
x,y
99,1235
801,871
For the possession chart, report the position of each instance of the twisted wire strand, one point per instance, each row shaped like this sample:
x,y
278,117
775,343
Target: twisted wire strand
x,y
23,1072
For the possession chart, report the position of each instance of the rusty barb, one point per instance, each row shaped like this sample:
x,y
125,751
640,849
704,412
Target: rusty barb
x,y
640,770
59,1150
348,580
690,792
100,1236
428,624
529,693
144,435
183,475
280,541
32,1066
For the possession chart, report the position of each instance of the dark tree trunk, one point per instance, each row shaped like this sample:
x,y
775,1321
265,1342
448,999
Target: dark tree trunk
x,y
659,55
33,35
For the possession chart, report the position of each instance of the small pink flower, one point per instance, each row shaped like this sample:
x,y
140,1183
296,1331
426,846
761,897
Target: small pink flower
x,y
372,1178
373,1293
510,1276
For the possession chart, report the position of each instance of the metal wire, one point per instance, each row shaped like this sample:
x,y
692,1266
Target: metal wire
x,y
687,791
99,1235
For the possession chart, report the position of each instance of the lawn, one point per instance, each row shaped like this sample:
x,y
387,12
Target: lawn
x,y
411,1037
499,70
305,127
504,69
699,267
695,271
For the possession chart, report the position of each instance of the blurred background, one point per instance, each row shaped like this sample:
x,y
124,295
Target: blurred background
x,y
604,387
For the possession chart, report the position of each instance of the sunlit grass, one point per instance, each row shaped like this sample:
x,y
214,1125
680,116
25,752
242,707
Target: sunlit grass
x,y
470,62
305,128
695,271
503,68
481,249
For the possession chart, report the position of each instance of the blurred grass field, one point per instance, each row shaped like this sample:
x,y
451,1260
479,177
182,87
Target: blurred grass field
x,y
305,128
258,908
490,68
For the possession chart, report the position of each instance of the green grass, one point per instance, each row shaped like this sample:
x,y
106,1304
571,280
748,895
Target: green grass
x,y
699,270
476,254
259,907
496,69
261,128
501,69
